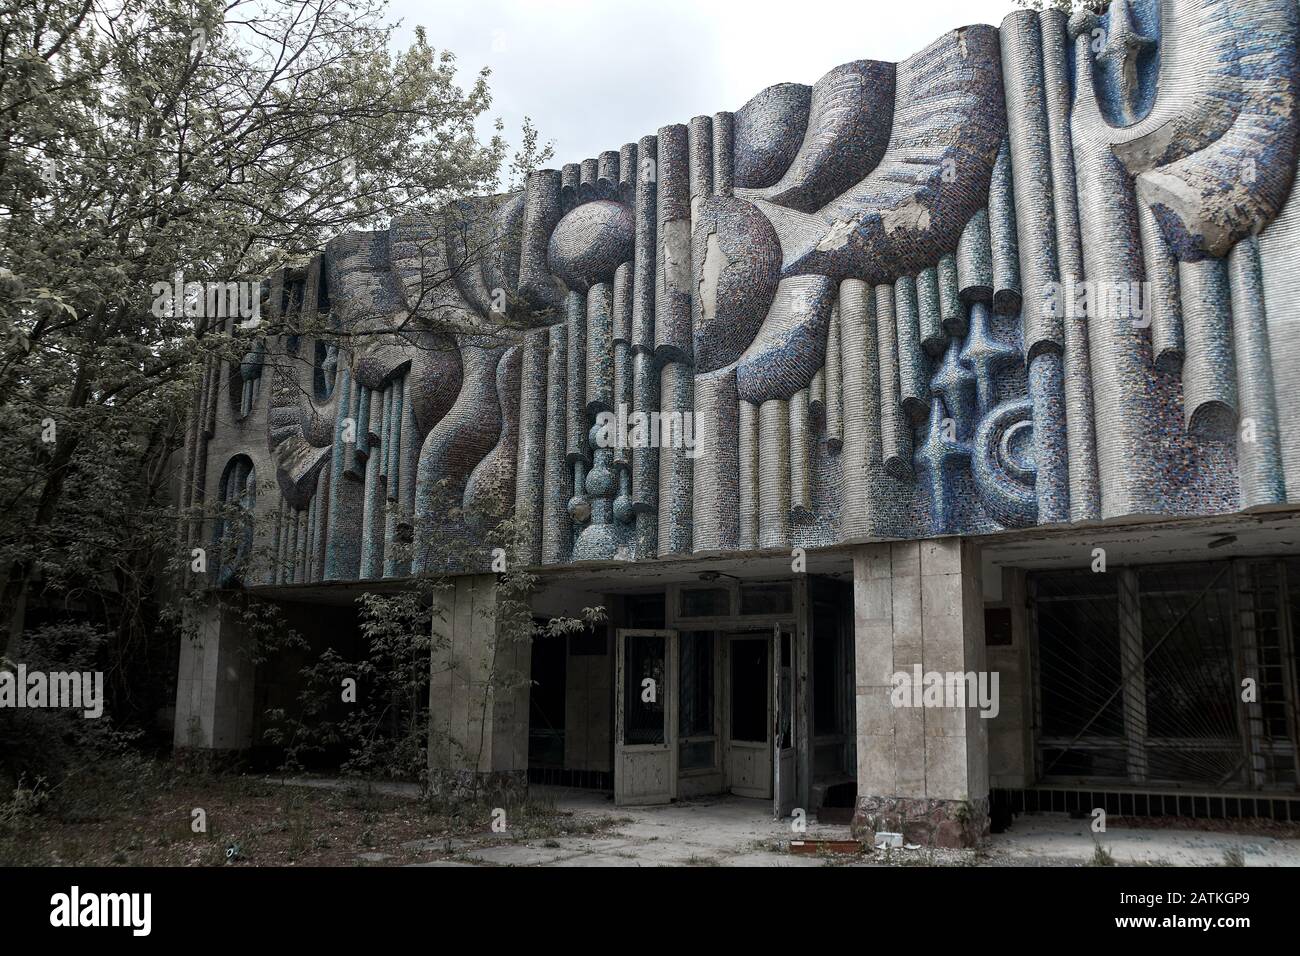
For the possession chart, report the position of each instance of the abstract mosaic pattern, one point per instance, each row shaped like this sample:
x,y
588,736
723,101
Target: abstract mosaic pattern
x,y
1035,274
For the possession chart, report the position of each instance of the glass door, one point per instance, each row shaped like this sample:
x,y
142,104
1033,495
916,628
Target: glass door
x,y
645,732
749,718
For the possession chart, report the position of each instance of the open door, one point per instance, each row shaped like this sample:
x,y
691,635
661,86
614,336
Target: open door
x,y
645,717
784,714
749,717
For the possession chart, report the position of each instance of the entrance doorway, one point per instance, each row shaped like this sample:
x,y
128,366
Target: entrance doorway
x,y
749,738
706,711
546,705
645,717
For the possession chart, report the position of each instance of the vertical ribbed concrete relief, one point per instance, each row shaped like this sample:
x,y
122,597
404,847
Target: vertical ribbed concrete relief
x,y
575,409
557,532
624,375
645,457
677,439
861,451
800,457
717,466
832,389
724,142
1004,244
646,217
1077,365
600,350
951,311
1258,450
531,466
975,260
895,431
774,474
1035,274
929,309
913,387
1279,260
747,470
1209,382
628,167
672,339
1164,310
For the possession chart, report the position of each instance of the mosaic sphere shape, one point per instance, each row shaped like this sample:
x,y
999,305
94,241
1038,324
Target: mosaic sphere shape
x,y
737,268
590,242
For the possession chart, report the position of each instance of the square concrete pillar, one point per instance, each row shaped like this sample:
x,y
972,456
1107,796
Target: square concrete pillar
x,y
480,668
922,767
214,685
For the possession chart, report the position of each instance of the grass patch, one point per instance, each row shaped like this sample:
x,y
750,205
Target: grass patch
x,y
136,812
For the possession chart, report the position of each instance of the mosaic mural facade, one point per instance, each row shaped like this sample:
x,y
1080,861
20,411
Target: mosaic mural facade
x,y
1032,275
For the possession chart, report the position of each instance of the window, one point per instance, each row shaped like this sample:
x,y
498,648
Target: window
x,y
232,535
643,707
326,363
1190,720
705,602
1140,674
695,701
696,665
769,598
1079,663
645,610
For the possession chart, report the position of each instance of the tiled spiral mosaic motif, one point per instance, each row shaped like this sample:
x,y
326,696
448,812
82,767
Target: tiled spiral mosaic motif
x,y
856,293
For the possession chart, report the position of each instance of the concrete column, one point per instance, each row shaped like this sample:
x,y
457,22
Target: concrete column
x,y
480,669
922,767
214,685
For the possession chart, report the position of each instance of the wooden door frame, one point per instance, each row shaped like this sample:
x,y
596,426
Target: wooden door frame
x,y
670,636
780,633
749,635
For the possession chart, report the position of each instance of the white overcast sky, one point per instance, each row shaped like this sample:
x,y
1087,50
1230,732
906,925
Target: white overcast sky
x,y
594,75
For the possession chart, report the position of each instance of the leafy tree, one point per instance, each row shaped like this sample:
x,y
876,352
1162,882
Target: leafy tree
x,y
146,138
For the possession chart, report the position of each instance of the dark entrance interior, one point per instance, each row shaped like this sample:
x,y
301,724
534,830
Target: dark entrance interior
x,y
749,689
546,704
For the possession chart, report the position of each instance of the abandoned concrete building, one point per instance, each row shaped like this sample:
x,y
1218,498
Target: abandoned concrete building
x,y
976,372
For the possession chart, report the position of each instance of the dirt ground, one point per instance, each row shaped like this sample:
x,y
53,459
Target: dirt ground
x,y
250,821
147,815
